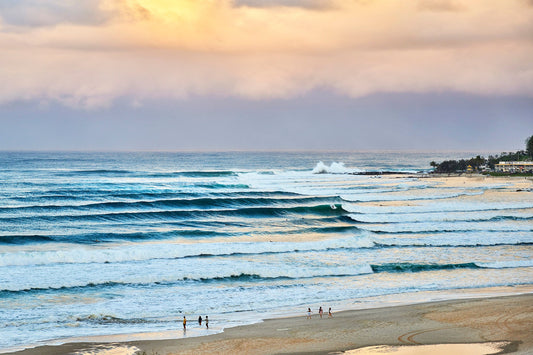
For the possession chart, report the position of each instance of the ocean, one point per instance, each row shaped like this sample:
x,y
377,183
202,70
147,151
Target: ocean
x,y
96,244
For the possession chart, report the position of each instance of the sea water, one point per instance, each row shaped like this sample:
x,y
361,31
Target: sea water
x,y
120,243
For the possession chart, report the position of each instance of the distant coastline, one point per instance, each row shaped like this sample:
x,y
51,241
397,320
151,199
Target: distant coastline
x,y
519,163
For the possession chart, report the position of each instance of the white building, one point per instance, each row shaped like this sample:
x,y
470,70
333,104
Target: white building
x,y
514,166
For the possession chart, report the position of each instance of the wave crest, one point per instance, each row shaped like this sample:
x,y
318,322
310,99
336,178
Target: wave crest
x,y
334,168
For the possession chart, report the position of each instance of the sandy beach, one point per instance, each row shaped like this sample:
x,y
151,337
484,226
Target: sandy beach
x,y
506,320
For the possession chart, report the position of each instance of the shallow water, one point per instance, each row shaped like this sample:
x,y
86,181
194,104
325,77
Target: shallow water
x,y
439,349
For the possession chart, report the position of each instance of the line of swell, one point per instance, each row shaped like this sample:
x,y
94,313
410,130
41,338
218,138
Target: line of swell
x,y
410,210
416,198
118,172
463,245
210,202
412,268
475,220
42,260
101,237
445,231
66,194
91,238
245,277
250,212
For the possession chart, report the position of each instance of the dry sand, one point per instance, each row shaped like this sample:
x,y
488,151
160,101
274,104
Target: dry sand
x,y
506,319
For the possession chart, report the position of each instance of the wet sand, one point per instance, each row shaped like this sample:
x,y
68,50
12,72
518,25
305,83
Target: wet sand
x,y
506,319
501,189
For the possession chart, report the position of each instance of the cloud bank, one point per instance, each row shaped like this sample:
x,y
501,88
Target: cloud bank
x,y
94,52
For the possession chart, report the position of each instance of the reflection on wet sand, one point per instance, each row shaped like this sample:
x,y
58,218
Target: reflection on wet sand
x,y
440,349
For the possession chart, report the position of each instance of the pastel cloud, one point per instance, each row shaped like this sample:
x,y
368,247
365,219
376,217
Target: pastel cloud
x,y
37,13
144,49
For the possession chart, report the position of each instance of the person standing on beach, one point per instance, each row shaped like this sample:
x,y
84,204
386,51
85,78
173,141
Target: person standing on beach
x,y
206,322
308,313
200,321
184,323
329,313
320,311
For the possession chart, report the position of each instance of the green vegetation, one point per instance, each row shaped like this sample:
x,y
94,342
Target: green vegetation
x,y
529,146
457,166
484,165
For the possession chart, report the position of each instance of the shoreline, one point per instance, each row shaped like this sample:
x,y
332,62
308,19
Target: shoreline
x,y
450,321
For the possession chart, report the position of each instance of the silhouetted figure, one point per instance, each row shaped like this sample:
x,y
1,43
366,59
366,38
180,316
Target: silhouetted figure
x,y
320,311
200,321
206,322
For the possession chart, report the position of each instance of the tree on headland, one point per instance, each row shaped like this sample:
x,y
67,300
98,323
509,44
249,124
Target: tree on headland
x,y
529,147
480,164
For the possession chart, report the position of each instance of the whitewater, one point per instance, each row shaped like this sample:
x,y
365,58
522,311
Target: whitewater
x,y
96,244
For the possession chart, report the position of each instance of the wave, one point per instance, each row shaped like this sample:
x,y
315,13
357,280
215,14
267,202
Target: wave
x,y
230,276
152,251
413,268
485,216
205,173
467,239
442,207
445,219
266,276
37,290
25,239
121,172
378,197
102,237
98,172
445,227
106,237
334,168
511,264
90,195
173,215
408,267
205,202
449,245
109,319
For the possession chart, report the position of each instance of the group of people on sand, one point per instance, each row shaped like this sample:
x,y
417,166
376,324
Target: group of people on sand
x,y
206,321
320,312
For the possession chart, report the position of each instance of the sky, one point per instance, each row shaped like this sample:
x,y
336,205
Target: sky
x,y
266,75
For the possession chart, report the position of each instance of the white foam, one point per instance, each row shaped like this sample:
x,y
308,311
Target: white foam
x,y
429,206
507,264
149,251
334,168
446,226
455,239
471,216
172,271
